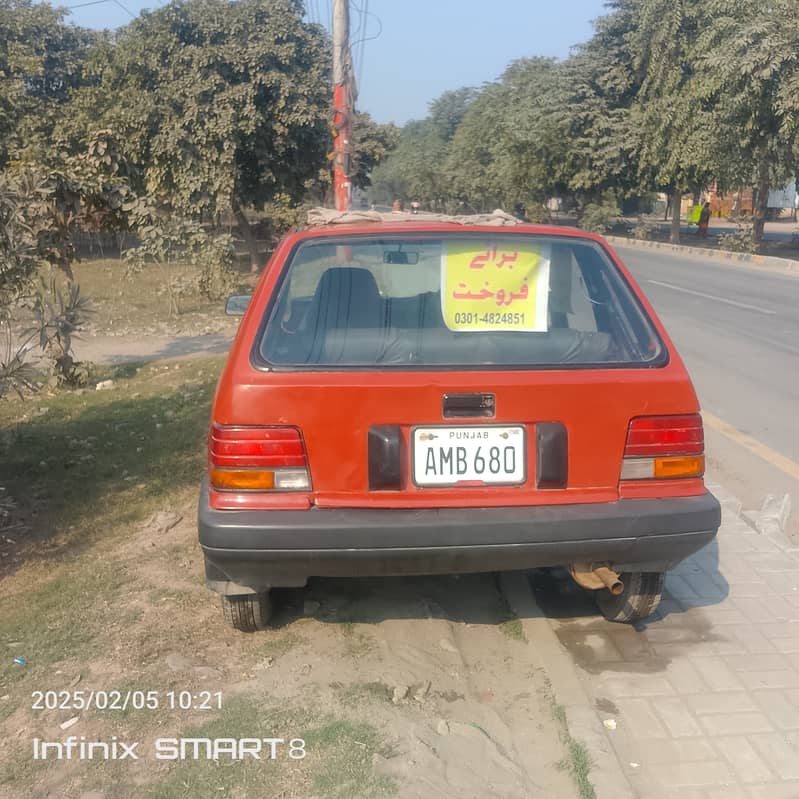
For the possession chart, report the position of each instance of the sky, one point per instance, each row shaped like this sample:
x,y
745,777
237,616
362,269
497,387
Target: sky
x,y
422,47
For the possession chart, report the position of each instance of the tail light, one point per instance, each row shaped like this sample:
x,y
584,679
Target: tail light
x,y
257,459
664,447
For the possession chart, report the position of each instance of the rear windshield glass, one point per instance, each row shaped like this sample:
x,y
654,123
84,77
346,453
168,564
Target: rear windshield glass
x,y
459,300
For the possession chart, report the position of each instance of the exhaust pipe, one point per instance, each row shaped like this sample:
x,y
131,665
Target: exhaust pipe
x,y
596,578
611,579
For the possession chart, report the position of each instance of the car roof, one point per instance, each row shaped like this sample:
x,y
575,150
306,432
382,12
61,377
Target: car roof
x,y
324,222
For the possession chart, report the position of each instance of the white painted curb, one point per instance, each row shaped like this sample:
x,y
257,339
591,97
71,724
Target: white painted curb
x,y
768,262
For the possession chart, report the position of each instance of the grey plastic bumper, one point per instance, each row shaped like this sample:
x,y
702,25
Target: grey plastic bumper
x,y
256,550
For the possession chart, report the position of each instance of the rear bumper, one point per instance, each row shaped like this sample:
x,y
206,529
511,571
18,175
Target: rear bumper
x,y
256,550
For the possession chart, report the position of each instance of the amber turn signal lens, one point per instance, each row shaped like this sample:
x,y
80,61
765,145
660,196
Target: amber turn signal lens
x,y
689,466
242,479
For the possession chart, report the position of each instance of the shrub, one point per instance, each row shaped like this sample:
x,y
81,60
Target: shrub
x,y
599,217
643,230
743,240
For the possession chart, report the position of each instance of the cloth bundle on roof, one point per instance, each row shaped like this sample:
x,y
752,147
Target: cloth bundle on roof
x,y
328,216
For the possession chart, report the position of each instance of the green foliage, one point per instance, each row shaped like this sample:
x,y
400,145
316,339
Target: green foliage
x,y
41,64
57,316
283,214
221,104
643,230
19,237
599,217
592,110
666,96
370,145
506,151
672,120
743,240
754,95
416,169
537,213
42,207
167,238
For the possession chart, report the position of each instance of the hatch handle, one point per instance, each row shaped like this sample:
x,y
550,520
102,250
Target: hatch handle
x,y
465,406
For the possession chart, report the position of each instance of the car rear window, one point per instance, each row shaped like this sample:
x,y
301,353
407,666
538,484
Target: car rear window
x,y
458,300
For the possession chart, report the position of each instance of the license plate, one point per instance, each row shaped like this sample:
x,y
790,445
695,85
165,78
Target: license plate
x,y
490,455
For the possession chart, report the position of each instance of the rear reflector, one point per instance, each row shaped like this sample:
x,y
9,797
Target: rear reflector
x,y
664,447
257,459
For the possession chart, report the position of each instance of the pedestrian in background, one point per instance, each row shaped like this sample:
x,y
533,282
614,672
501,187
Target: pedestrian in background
x,y
704,220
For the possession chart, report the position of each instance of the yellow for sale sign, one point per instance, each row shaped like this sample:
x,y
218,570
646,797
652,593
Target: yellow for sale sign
x,y
503,285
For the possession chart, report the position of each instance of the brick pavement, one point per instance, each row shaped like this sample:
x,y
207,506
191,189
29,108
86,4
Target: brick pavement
x,y
705,696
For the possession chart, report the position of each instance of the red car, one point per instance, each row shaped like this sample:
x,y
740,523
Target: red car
x,y
421,397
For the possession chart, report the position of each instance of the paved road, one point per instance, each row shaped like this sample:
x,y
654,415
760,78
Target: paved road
x,y
737,329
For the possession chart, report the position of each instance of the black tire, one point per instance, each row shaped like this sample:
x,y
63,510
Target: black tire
x,y
640,598
247,613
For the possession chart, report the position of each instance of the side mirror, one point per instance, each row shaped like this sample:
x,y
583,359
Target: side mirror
x,y
237,304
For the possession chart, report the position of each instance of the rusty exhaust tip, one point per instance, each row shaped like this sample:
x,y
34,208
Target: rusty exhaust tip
x,y
596,578
610,580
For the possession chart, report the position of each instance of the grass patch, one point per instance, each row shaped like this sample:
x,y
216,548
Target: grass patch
x,y
512,628
346,771
359,692
138,301
97,460
337,765
578,764
61,618
357,643
577,761
279,645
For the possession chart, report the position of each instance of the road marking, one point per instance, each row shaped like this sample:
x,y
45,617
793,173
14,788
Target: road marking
x,y
714,297
790,467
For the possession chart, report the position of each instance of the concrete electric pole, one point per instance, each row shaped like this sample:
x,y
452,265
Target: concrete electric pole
x,y
342,103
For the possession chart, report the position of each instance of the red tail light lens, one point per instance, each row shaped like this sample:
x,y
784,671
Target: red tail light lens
x,y
257,459
654,436
256,447
664,447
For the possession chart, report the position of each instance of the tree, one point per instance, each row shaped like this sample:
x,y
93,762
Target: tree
x,y
446,113
415,170
370,145
33,204
750,77
597,87
222,104
506,151
675,150
41,64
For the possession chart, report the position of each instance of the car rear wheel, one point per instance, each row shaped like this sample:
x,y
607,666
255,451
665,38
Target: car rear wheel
x,y
640,597
247,613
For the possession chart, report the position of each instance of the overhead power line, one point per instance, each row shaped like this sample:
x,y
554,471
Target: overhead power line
x,y
361,37
99,2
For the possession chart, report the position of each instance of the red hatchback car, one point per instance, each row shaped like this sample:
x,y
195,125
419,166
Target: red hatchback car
x,y
419,397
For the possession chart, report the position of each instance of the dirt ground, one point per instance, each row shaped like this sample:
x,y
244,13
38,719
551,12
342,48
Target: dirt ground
x,y
450,703
420,687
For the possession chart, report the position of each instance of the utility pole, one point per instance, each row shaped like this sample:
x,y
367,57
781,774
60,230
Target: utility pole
x,y
342,103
